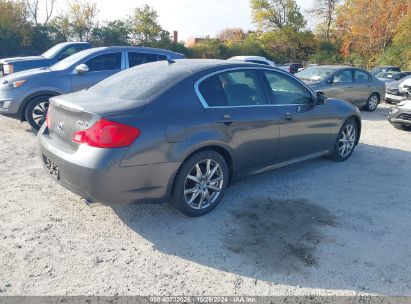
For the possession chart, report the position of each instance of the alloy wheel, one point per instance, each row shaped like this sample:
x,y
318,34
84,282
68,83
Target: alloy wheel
x,y
203,184
373,102
347,140
39,113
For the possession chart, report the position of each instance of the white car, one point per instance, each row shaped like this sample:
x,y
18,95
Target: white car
x,y
254,59
395,91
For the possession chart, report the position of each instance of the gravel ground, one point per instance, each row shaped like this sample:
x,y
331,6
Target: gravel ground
x,y
320,227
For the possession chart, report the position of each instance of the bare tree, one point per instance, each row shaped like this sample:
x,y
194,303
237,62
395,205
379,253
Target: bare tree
x,y
325,11
34,7
232,34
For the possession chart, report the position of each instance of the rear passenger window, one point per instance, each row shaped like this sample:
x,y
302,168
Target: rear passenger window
x,y
105,62
361,76
140,58
237,88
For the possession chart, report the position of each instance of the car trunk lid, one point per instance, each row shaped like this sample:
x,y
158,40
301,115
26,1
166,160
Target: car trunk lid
x,y
68,114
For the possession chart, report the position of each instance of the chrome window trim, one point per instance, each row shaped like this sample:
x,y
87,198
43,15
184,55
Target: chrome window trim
x,y
206,106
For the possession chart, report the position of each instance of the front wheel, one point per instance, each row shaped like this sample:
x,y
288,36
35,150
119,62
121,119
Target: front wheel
x,y
346,141
200,184
372,102
403,127
36,111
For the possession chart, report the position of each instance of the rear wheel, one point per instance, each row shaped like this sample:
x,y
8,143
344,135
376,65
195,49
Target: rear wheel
x,y
36,111
346,141
200,184
372,102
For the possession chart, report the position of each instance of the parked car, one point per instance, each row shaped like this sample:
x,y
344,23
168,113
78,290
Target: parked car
x,y
342,82
254,59
55,54
400,115
380,69
392,76
393,93
25,95
291,67
183,131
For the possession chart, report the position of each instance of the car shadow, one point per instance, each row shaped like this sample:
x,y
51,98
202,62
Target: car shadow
x,y
380,114
308,225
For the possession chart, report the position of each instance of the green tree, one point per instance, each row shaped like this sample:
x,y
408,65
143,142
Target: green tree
x,y
111,33
145,29
288,44
276,14
15,28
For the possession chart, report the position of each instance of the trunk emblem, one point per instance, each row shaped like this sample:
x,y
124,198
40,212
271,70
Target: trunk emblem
x,y
59,128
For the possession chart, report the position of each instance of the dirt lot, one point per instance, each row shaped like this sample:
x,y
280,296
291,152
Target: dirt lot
x,y
315,228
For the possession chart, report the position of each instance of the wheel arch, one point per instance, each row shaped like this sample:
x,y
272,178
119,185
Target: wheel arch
x,y
224,152
28,99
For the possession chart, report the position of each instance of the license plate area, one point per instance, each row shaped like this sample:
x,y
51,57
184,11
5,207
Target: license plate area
x,y
53,169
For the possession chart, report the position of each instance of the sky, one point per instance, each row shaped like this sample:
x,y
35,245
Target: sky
x,y
191,18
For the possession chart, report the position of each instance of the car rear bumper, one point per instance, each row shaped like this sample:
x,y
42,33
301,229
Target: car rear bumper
x,y
96,175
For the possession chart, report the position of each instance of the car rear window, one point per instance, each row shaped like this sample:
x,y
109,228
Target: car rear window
x,y
140,82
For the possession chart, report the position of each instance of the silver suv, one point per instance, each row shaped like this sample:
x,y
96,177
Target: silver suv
x,y
25,95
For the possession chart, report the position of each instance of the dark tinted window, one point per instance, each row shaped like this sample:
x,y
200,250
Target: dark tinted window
x,y
237,88
287,90
212,91
361,76
105,62
140,58
343,77
162,57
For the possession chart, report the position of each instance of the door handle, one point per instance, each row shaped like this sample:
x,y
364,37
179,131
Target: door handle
x,y
288,116
227,120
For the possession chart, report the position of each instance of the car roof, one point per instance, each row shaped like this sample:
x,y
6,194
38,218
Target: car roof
x,y
248,58
74,42
336,67
196,65
128,48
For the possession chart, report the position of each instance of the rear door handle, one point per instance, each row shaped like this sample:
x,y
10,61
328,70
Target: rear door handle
x,y
288,116
227,120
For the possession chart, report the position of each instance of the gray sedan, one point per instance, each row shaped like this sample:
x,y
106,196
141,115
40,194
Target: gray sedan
x,y
25,95
351,84
183,131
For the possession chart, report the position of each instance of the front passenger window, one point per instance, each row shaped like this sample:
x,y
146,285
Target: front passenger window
x,y
286,90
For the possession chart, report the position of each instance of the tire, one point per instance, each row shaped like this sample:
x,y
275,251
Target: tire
x,y
36,111
403,128
372,102
345,138
189,195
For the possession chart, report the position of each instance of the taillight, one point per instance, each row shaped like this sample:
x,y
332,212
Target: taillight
x,y
48,121
107,134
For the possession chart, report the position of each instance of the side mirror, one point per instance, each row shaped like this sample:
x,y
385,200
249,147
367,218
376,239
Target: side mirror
x,y
321,98
81,69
